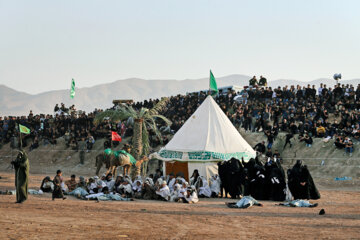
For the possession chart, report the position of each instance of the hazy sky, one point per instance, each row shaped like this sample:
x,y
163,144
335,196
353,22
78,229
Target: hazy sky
x,y
43,44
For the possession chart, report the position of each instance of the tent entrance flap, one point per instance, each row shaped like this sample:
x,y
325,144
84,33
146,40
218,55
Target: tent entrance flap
x,y
177,167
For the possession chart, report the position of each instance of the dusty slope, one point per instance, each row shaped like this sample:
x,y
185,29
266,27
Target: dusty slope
x,y
47,159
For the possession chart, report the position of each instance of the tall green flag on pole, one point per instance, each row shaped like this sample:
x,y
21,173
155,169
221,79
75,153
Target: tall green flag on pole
x,y
72,89
213,85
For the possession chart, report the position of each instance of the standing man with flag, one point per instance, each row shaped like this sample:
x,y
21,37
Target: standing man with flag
x,y
21,166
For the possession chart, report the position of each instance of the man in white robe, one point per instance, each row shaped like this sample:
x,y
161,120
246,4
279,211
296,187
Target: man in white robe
x,y
110,182
171,181
204,190
215,185
191,196
126,189
175,194
164,192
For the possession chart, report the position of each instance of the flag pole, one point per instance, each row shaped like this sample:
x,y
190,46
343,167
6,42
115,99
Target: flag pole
x,y
209,92
20,137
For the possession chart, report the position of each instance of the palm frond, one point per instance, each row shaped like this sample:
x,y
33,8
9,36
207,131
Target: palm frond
x,y
113,115
165,119
151,124
159,106
143,112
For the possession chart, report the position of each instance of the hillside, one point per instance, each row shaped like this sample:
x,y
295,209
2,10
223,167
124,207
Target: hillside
x,y
47,159
101,96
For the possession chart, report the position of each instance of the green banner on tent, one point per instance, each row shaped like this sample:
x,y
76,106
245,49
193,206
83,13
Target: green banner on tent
x,y
204,155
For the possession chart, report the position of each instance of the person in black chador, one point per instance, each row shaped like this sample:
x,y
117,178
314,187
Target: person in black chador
x,y
21,166
257,181
301,184
275,178
224,178
236,172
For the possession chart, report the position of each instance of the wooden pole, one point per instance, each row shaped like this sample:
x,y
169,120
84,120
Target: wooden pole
x,y
20,137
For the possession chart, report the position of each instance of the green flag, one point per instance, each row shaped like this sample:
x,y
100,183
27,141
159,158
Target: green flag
x,y
72,89
24,129
213,85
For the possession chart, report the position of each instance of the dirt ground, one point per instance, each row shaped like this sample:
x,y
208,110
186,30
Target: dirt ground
x,y
41,218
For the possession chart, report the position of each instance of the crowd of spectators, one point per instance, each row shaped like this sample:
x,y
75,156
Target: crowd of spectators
x,y
325,112
309,112
74,126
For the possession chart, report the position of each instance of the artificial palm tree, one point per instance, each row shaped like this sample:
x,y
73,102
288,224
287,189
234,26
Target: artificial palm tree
x,y
144,120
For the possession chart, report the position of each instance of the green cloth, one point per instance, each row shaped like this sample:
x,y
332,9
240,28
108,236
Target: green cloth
x,y
108,151
132,159
24,129
22,166
72,89
213,85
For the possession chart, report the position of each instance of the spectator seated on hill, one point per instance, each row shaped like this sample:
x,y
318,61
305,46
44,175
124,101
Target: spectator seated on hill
x,y
356,135
320,131
349,146
262,81
260,147
73,144
90,141
307,139
253,82
269,153
339,142
35,144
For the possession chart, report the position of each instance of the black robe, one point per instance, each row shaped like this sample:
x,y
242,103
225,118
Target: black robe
x,y
300,174
235,173
258,183
276,185
22,166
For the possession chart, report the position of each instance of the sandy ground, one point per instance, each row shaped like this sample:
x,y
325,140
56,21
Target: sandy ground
x,y
41,218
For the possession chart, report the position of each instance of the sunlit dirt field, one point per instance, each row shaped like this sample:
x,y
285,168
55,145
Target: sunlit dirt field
x,y
41,218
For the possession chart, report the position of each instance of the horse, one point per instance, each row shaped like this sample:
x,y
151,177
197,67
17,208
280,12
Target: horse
x,y
101,159
122,160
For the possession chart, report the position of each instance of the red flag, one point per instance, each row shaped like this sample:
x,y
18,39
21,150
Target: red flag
x,y
115,136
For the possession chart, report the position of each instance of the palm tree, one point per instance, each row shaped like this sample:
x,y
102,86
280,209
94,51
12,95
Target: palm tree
x,y
144,120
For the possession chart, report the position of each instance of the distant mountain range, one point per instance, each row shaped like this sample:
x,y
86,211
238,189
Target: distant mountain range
x,y
16,103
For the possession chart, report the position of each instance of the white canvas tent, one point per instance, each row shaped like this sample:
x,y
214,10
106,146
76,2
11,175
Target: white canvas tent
x,y
206,138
